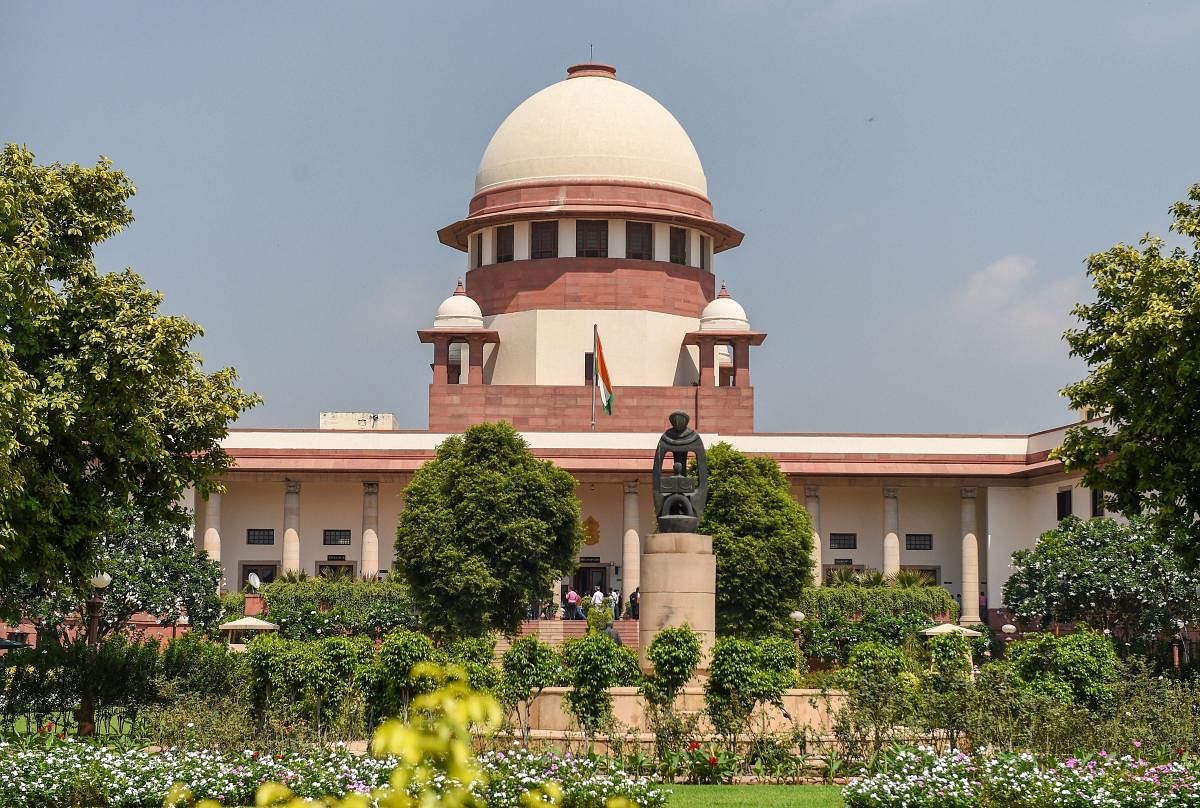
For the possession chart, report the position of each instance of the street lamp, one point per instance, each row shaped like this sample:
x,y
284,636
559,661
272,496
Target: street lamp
x,y
798,632
95,603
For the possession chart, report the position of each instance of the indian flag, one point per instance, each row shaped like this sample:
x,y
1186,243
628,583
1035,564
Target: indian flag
x,y
603,382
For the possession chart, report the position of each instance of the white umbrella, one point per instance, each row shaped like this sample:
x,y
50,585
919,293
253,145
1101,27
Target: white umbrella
x,y
950,628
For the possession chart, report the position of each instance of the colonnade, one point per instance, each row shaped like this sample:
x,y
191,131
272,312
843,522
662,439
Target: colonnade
x,y
890,559
290,556
631,538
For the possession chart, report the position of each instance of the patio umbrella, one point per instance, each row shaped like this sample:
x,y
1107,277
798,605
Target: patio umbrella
x,y
949,628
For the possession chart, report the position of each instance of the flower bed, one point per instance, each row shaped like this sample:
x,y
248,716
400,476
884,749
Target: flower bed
x,y
921,779
76,773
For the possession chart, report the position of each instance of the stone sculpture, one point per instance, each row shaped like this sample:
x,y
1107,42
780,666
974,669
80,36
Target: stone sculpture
x,y
678,499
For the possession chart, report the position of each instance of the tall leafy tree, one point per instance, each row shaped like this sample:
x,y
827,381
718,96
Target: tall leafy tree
x,y
155,568
763,542
1107,574
102,405
486,527
1141,341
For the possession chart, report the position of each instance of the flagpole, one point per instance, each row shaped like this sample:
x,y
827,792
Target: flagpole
x,y
595,371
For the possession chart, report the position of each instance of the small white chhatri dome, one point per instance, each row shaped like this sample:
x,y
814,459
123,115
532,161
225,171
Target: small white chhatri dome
x,y
458,311
591,127
724,314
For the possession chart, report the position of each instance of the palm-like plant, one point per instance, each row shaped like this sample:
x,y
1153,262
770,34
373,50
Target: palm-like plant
x,y
844,576
909,579
871,578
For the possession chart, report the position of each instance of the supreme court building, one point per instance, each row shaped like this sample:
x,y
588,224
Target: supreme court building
x,y
591,206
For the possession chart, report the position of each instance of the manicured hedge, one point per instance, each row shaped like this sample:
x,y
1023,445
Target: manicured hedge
x,y
851,602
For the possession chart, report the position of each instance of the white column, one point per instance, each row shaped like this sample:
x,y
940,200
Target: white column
x,y
521,231
616,238
489,245
369,566
693,252
662,242
291,526
970,561
812,503
566,238
631,547
212,526
891,532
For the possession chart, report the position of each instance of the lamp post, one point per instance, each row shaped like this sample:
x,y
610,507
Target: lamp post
x,y
798,632
95,603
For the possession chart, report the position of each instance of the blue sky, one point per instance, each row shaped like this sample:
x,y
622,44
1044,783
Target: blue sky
x,y
919,182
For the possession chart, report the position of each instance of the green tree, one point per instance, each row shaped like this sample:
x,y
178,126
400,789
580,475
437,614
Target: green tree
x,y
155,569
486,527
102,405
744,675
763,542
1141,341
1113,576
529,666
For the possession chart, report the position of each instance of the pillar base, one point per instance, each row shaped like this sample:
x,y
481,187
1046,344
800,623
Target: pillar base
x,y
679,586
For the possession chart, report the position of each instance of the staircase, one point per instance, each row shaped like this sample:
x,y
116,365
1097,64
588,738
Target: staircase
x,y
555,632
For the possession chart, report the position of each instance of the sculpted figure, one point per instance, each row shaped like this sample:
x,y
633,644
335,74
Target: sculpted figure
x,y
678,500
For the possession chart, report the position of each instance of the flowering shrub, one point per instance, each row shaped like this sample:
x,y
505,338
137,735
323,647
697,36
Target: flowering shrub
x,y
77,773
586,782
921,779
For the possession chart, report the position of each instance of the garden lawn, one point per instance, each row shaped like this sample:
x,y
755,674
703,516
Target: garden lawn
x,y
772,796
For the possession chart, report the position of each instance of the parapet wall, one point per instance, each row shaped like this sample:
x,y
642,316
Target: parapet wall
x,y
568,408
812,709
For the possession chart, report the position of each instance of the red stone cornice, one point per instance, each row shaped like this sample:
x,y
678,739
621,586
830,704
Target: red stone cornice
x,y
593,198
1008,469
590,284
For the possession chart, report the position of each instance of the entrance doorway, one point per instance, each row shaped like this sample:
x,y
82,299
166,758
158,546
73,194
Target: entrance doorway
x,y
588,577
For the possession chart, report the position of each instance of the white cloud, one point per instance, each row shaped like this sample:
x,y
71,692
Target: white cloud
x,y
1014,313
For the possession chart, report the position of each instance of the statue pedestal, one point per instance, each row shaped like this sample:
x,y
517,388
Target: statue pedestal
x,y
679,585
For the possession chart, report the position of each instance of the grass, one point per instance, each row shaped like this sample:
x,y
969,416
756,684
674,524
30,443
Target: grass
x,y
773,796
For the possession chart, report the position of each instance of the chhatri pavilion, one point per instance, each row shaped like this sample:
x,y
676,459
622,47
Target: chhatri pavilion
x,y
591,207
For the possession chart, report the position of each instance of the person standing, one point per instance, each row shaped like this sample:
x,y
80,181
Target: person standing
x,y
635,600
573,612
615,602
597,596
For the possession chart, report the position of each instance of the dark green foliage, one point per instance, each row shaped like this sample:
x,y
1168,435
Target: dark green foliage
x,y
763,542
486,528
155,568
594,663
118,677
831,637
854,601
1141,340
529,667
674,653
742,676
1113,576
840,617
309,680
102,404
322,607
197,666
880,689
400,652
1080,667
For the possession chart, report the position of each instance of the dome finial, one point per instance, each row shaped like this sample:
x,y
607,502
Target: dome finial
x,y
724,292
460,289
589,68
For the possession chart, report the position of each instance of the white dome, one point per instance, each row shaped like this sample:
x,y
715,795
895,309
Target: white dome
x,y
724,314
591,127
458,311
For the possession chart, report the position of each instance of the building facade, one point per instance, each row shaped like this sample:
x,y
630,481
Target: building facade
x,y
591,208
